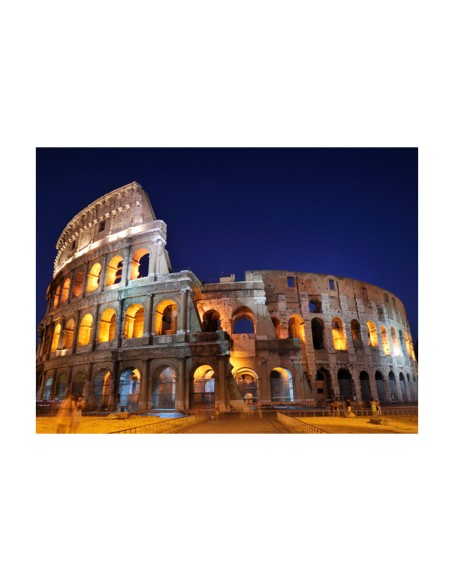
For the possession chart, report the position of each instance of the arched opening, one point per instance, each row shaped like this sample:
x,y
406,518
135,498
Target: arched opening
x,y
57,296
380,382
277,326
114,271
296,328
211,321
385,341
93,278
129,390
140,263
65,290
243,321
393,387
366,392
372,338
315,305
163,387
247,381
48,388
395,342
55,338
68,334
107,323
134,321
85,330
79,382
281,385
339,339
78,284
102,392
317,327
62,386
403,388
166,318
345,384
356,334
323,385
203,386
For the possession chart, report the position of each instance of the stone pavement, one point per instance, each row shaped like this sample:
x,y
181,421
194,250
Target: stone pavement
x,y
232,423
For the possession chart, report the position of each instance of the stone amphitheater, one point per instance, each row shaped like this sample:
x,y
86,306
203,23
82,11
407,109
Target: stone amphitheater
x,y
129,334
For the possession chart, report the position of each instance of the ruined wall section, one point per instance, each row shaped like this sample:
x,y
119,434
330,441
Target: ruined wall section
x,y
119,213
326,297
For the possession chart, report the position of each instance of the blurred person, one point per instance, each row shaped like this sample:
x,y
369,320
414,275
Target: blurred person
x,y
76,413
64,413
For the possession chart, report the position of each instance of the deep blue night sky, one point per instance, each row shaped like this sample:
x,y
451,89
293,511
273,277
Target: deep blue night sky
x,y
346,212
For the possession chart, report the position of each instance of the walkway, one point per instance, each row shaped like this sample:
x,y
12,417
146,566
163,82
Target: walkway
x,y
232,423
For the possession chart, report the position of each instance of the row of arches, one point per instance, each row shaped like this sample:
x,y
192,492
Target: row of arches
x,y
165,322
244,322
388,388
74,286
100,393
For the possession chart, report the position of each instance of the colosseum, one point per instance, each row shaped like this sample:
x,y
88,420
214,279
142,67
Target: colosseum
x,y
129,334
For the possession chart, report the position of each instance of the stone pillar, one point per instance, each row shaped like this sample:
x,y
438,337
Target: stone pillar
x,y
264,380
125,269
219,398
102,281
95,329
144,395
148,315
119,324
180,396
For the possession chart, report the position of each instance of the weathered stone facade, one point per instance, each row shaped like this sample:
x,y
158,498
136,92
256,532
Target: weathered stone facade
x,y
125,331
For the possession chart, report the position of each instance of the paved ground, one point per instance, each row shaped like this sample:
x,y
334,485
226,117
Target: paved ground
x,y
234,424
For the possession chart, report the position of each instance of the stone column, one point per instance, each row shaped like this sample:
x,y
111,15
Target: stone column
x,y
144,387
219,398
119,324
125,269
264,380
148,315
95,329
180,396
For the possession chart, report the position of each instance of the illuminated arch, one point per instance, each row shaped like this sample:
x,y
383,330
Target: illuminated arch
x,y
372,334
166,318
57,296
85,328
93,278
78,284
339,339
203,387
129,389
296,328
385,341
140,264
65,290
102,392
277,326
409,346
134,321
114,270
395,342
68,334
281,384
107,322
55,338
247,381
164,384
